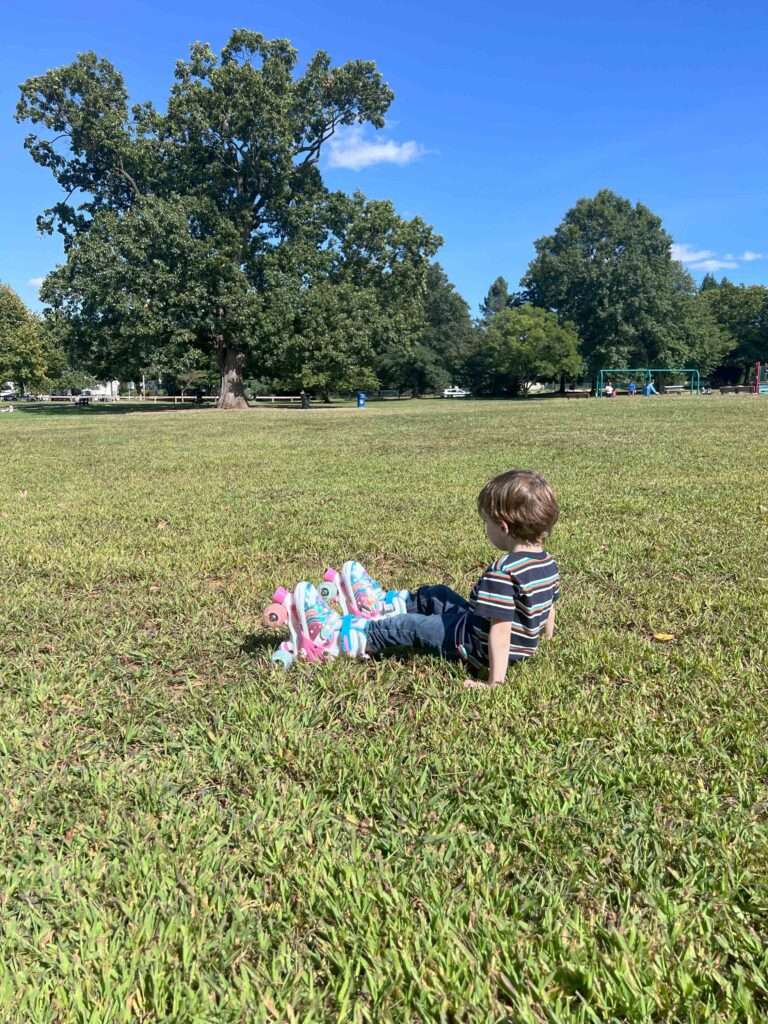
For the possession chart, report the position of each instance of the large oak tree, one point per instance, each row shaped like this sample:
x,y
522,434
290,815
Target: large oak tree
x,y
608,269
208,226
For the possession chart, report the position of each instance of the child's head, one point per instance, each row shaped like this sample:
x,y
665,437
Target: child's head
x,y
518,506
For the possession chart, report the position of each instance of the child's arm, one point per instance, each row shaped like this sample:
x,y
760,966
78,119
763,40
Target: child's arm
x,y
549,625
498,651
498,656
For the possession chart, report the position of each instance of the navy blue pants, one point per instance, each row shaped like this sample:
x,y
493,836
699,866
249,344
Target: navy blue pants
x,y
428,626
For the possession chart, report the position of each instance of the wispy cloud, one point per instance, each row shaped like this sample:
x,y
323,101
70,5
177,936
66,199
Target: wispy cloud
x,y
709,261
710,265
683,253
35,282
353,150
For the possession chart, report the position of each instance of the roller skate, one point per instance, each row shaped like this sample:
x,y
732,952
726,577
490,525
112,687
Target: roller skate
x,y
359,595
284,656
312,624
352,636
279,614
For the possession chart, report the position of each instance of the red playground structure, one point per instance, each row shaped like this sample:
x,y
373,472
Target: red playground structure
x,y
761,378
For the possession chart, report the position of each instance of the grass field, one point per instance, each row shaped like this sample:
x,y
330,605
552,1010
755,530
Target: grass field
x,y
189,836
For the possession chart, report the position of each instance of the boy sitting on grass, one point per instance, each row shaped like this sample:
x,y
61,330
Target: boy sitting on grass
x,y
509,608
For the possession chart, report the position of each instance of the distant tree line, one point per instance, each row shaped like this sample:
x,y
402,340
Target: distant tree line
x,y
203,241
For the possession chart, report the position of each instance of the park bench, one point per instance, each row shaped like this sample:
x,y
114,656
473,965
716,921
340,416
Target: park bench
x,y
576,394
674,389
290,399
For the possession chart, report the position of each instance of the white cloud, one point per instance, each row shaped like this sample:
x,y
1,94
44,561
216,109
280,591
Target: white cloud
x,y
706,259
710,265
685,254
352,150
35,282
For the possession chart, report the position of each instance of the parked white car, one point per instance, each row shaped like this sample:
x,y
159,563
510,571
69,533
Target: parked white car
x,y
456,392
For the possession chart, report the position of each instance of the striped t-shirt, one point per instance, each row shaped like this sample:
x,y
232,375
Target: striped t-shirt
x,y
520,587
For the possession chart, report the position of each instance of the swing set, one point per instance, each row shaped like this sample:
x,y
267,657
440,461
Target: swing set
x,y
644,375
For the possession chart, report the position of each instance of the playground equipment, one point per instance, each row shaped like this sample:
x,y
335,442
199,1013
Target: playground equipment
x,y
644,375
761,378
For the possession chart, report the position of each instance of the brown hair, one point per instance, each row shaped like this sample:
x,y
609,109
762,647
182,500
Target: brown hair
x,y
523,500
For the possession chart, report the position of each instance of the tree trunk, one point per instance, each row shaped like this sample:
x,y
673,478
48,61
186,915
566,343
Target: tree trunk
x,y
231,393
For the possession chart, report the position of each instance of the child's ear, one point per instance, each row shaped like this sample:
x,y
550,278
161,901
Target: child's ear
x,y
504,526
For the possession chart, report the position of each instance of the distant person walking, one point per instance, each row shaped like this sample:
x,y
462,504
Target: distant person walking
x,y
650,389
609,391
631,389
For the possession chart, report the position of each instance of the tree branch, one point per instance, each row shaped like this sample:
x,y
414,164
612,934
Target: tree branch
x,y
131,181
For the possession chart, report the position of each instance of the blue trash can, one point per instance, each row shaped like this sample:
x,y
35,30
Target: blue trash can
x,y
361,396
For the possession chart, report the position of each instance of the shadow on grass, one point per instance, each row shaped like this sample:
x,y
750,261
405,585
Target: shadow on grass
x,y
257,643
120,409
102,409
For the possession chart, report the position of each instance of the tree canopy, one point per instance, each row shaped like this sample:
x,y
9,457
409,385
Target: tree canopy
x,y
520,346
498,298
207,226
26,355
440,348
741,311
608,269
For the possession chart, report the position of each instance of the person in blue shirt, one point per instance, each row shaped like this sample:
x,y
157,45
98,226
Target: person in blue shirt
x,y
650,389
631,389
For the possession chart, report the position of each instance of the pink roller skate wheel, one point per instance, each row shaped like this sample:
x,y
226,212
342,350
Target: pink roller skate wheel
x,y
280,595
329,575
275,615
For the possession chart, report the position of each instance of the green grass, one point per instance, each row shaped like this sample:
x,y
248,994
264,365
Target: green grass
x,y
187,835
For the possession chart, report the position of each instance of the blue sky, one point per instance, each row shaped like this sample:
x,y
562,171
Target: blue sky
x,y
505,114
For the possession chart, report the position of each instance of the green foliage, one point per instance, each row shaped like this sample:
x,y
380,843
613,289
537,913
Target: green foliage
x,y
26,355
693,337
189,836
329,345
204,226
742,313
68,379
520,346
440,350
607,268
498,298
